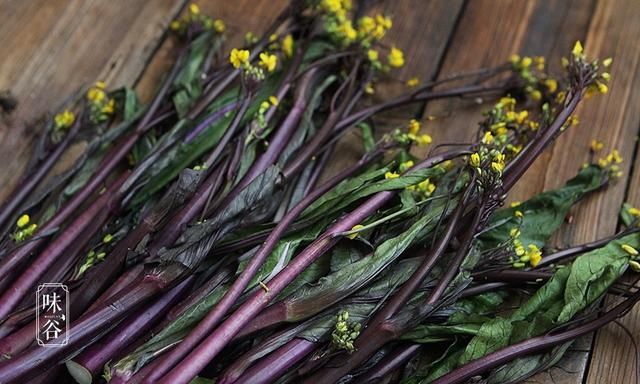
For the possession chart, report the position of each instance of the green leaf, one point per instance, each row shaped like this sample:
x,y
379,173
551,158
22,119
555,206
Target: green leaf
x,y
544,213
491,336
360,187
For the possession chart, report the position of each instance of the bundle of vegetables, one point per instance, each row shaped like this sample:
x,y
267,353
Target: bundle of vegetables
x,y
219,235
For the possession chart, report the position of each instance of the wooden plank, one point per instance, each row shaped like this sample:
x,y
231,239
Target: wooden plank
x,y
489,32
614,32
51,49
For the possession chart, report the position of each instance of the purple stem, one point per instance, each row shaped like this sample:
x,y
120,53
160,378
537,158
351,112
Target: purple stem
x,y
128,277
269,369
214,342
282,136
212,118
206,325
28,184
98,212
85,330
106,166
90,362
389,363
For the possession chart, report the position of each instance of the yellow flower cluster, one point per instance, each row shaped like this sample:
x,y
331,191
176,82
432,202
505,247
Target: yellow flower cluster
x,y
413,82
530,254
370,28
395,58
239,58
101,106
413,136
612,162
64,119
345,334
425,187
195,17
25,229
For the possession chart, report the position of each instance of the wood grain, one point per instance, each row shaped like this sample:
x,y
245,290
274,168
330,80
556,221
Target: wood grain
x,y
614,119
57,47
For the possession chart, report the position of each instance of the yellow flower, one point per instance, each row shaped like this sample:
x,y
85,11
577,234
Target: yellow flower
x,y
607,62
218,26
424,139
606,76
535,255
635,266
497,166
487,138
107,238
268,61
539,61
412,82
406,165
507,102
522,116
96,95
264,106
526,61
273,37
287,45
577,49
602,88
552,85
514,58
514,232
332,6
100,84
368,89
520,251
384,21
391,175
23,220
634,211
596,145
474,160
536,95
194,9
238,57
347,31
64,119
414,126
515,204
518,214
372,54
366,25
615,157
109,107
396,58
629,249
273,100
356,228
175,25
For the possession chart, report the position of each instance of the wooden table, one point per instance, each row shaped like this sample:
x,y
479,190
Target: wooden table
x,y
51,48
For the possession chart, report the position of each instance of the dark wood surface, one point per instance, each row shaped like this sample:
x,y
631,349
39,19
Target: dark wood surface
x,y
51,48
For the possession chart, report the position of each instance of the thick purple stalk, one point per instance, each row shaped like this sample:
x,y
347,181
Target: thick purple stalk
x,y
516,168
91,361
206,325
28,184
214,342
128,277
534,345
82,332
98,211
283,134
215,116
104,169
269,369
396,359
